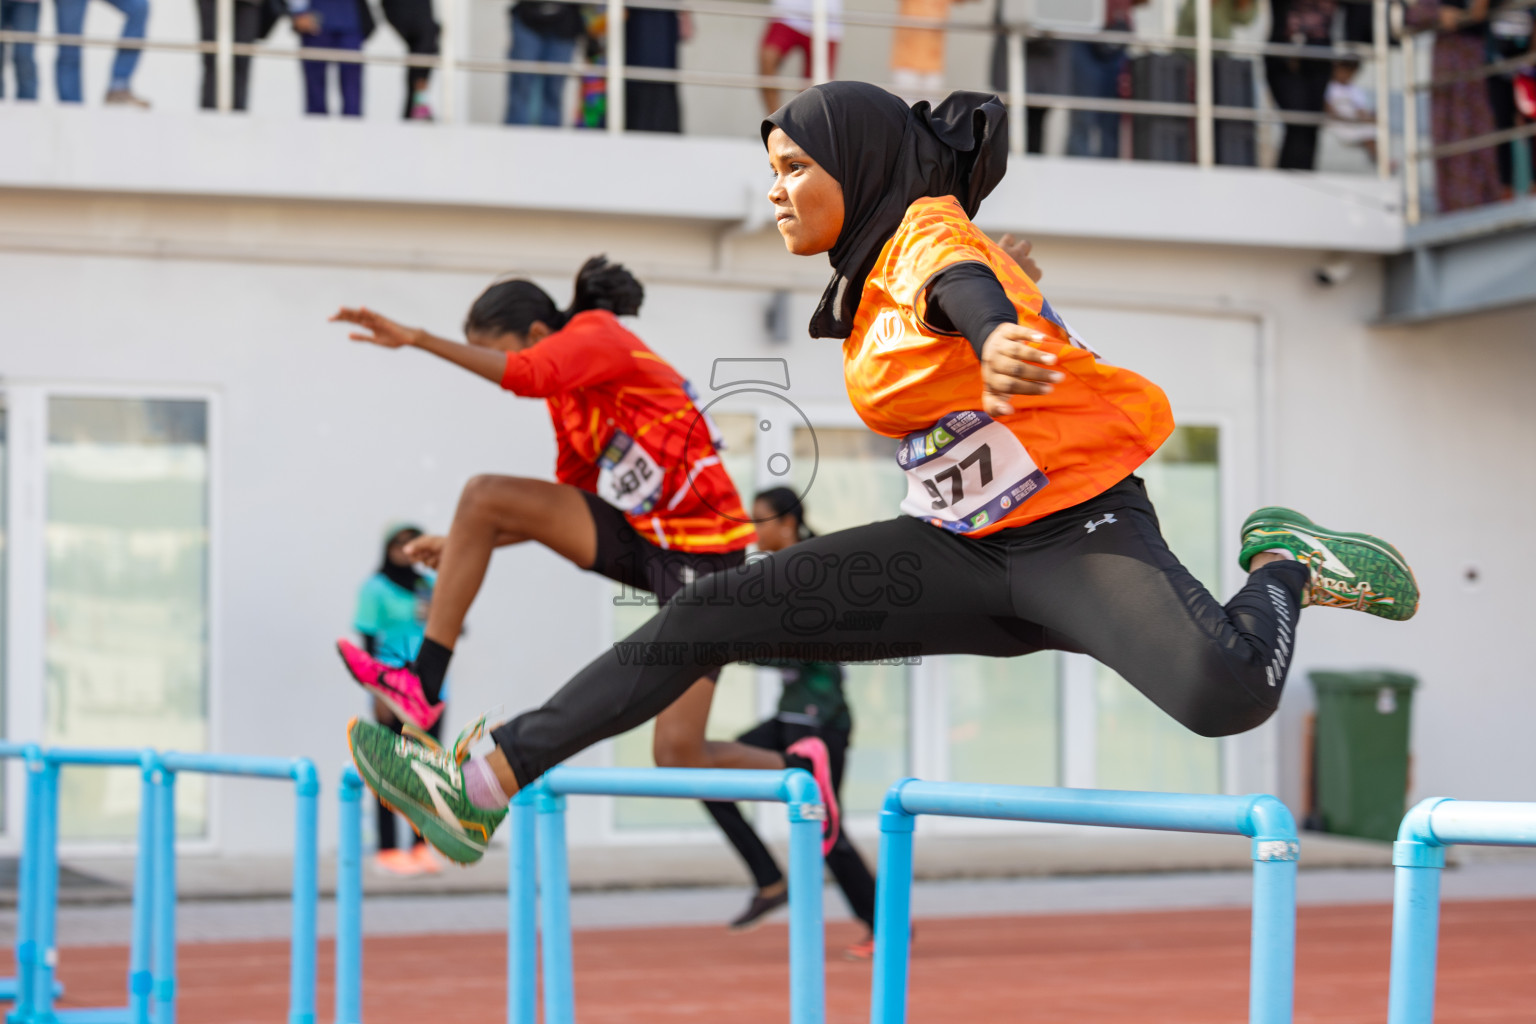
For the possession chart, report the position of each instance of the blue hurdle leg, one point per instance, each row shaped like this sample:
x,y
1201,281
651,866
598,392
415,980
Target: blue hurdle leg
x,y
1415,932
893,913
807,969
555,909
349,902
306,894
1272,963
522,911
164,923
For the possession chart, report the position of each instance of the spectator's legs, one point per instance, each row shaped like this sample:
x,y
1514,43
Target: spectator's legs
x,y
20,17
206,20
69,20
350,75
1298,85
522,88
1096,73
314,74
552,88
247,24
413,20
1034,142
137,14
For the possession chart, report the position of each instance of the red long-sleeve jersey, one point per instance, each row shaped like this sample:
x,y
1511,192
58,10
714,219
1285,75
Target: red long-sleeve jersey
x,y
630,432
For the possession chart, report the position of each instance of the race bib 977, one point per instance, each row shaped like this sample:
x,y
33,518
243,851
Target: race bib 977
x,y
966,471
628,477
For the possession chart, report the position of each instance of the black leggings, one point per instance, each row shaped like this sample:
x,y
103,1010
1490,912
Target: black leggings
x,y
1096,578
413,20
843,860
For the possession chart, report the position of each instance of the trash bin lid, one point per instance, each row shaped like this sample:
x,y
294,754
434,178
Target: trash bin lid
x,y
1361,679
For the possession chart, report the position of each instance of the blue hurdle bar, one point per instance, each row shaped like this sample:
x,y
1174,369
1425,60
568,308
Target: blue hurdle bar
x,y
538,822
349,901
306,895
39,920
1262,818
1419,857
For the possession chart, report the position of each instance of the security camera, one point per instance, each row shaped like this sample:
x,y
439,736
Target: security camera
x,y
1333,271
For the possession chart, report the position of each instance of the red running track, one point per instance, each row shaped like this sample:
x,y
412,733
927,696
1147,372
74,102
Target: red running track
x,y
1185,966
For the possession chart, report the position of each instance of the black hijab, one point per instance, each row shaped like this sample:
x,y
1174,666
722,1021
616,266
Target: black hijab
x,y
404,576
886,156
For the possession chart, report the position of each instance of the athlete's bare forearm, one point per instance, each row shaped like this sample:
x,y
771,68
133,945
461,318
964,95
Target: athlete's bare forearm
x,y
487,363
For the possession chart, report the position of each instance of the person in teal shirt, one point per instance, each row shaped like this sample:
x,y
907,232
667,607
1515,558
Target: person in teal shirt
x,y
391,618
812,703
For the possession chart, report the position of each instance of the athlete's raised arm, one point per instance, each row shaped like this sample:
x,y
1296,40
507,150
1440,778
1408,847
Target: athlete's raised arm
x,y
380,330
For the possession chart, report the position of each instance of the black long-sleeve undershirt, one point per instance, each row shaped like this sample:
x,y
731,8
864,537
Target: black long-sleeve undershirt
x,y
967,299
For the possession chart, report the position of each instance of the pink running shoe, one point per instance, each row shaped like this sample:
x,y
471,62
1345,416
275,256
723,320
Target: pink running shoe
x,y
815,751
398,688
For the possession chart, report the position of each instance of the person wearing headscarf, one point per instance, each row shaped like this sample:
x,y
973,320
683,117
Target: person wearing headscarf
x,y
391,618
1024,527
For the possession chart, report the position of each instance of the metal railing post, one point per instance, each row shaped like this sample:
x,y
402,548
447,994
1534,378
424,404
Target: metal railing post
x,y
349,901
555,908
1018,139
821,58
306,893
615,58
224,56
447,57
1410,126
522,912
893,912
1383,58
1205,129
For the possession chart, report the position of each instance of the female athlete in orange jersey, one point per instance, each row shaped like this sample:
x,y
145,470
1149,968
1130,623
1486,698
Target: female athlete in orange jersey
x,y
1024,527
642,496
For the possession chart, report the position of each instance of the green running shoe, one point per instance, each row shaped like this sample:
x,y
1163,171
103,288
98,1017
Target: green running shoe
x,y
1349,570
415,777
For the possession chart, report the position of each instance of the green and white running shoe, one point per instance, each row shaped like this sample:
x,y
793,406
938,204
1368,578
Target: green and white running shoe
x,y
1349,570
415,777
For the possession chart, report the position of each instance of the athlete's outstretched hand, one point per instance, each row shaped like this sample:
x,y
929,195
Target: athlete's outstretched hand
x,y
381,330
1010,366
426,549
1019,249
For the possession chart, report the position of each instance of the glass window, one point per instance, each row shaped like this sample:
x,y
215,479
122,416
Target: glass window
x,y
1003,719
1140,747
857,481
127,598
734,710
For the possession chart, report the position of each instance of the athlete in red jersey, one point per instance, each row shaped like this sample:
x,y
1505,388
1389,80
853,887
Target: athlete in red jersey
x,y
642,496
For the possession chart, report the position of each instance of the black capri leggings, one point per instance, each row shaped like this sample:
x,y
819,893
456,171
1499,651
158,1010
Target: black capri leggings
x,y
1096,578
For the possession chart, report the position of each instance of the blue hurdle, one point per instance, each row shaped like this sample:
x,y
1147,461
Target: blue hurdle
x,y
1262,818
38,894
306,861
538,866
26,945
1419,857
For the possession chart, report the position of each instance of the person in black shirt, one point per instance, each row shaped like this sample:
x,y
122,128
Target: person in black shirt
x,y
1295,83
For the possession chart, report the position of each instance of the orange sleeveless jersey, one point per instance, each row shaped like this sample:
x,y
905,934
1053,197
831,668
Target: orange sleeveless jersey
x,y
630,432
906,380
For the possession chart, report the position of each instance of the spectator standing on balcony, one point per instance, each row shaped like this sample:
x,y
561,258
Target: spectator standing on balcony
x,y
651,39
1509,36
1225,15
419,30
790,32
1096,71
20,16
1295,83
544,30
332,25
1459,110
69,20
247,30
917,54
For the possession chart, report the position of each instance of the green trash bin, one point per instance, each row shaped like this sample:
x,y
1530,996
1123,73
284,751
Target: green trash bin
x,y
1360,751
